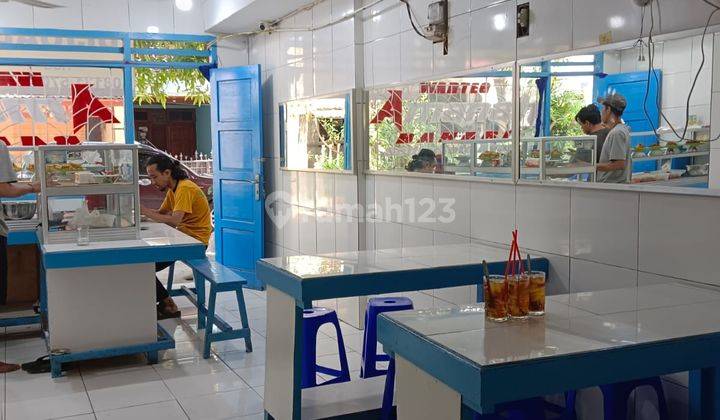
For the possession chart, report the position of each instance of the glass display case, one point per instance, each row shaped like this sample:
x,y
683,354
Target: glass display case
x,y
89,190
669,161
21,213
571,158
488,157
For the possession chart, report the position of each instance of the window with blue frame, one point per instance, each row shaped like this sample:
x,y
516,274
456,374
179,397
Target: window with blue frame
x,y
315,133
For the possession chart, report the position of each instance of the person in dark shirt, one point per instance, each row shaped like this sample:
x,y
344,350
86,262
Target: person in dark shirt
x,y
591,124
424,161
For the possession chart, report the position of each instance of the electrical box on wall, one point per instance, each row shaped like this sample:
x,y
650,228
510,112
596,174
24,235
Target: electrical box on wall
x,y
523,20
437,28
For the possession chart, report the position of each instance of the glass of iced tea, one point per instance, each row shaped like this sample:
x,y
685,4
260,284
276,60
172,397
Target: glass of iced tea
x,y
496,298
537,292
519,296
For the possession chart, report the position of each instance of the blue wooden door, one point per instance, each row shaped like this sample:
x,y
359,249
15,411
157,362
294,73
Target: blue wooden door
x,y
633,87
236,113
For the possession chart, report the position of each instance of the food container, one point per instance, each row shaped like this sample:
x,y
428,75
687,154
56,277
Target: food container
x,y
18,210
85,177
698,170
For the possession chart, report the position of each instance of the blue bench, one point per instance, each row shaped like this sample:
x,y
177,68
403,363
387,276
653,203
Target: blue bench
x,y
221,279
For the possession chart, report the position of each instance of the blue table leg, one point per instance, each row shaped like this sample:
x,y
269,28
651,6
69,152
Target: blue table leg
x,y
152,357
200,292
55,368
704,394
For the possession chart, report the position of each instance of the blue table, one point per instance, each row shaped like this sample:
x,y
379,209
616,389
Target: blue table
x,y
294,282
450,361
99,299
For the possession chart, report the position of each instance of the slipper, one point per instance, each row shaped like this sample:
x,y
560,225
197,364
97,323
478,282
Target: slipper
x,y
164,313
40,365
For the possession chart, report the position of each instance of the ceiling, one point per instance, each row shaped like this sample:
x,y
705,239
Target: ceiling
x,y
232,16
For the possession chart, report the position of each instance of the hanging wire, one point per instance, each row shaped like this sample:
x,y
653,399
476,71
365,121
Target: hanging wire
x,y
412,20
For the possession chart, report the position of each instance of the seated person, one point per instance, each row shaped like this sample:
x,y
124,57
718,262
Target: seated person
x,y
425,161
185,208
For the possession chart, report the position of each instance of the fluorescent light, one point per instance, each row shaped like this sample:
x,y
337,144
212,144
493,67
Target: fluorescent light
x,y
500,22
152,29
616,22
184,5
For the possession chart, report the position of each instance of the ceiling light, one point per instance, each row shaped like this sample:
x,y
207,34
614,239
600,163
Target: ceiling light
x,y
152,29
184,5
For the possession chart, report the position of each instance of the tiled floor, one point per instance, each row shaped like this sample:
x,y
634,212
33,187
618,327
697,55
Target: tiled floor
x,y
228,385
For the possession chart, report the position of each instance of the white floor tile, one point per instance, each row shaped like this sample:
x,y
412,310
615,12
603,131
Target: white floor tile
x,y
53,406
169,410
253,376
193,366
333,361
121,388
242,359
197,385
80,417
223,405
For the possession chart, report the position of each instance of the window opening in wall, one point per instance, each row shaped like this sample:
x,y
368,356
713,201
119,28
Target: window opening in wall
x,y
460,126
315,134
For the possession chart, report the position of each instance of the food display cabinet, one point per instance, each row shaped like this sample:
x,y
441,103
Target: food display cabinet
x,y
571,158
90,186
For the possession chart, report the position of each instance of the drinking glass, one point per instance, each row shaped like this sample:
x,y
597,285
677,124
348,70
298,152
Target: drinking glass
x,y
496,298
83,237
537,292
519,296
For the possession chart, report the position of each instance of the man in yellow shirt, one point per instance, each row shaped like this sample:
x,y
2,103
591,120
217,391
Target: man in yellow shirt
x,y
185,208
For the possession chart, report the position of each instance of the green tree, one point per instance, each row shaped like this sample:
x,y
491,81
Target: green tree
x,y
564,105
150,83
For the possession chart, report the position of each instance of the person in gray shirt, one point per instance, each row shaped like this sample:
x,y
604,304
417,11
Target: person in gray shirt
x,y
9,188
613,165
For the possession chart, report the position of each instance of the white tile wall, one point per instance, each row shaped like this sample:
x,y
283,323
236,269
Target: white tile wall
x,y
346,193
416,56
590,19
543,218
452,203
549,28
383,20
458,57
388,198
492,32
151,13
418,203
676,236
442,238
306,189
69,16
493,212
291,229
604,226
325,232
16,15
323,73
386,60
343,69
95,15
346,233
413,236
588,276
307,231
388,235
325,192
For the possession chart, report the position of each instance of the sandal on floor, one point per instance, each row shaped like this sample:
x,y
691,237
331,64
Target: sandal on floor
x,y
40,365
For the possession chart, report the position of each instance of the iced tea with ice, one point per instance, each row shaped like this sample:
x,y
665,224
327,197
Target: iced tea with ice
x,y
537,292
496,298
519,296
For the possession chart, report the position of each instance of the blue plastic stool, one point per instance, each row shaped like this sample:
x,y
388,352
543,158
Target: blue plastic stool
x,y
370,358
313,319
615,397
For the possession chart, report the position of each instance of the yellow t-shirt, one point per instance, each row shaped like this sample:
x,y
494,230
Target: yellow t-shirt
x,y
190,199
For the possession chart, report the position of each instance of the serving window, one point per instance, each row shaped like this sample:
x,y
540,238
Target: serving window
x,y
460,126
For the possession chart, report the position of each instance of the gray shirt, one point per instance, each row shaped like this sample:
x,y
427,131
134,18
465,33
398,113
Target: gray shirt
x,y
7,175
616,147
